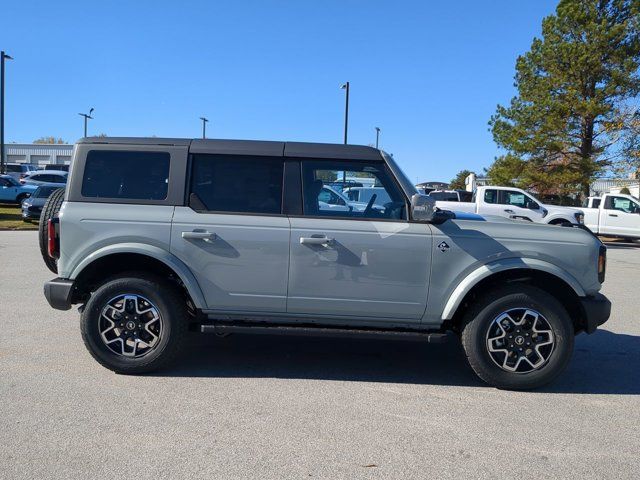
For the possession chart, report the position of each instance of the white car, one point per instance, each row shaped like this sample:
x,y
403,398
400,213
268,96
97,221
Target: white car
x,y
43,177
517,204
331,199
613,215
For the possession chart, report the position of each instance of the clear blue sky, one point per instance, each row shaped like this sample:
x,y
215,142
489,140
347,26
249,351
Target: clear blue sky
x,y
428,73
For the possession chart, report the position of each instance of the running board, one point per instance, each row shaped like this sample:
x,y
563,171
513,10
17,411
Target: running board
x,y
261,329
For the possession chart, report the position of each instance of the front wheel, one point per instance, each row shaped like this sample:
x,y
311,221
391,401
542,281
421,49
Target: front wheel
x,y
518,337
134,323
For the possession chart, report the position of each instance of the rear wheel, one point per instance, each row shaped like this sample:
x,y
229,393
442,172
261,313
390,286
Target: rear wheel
x,y
134,323
518,337
49,211
20,198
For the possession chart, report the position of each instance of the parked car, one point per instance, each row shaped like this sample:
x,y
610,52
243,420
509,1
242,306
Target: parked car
x,y
451,195
613,215
19,170
12,191
517,204
331,199
32,206
57,166
364,195
56,177
184,247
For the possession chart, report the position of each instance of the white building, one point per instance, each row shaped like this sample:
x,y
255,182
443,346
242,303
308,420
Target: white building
x,y
38,154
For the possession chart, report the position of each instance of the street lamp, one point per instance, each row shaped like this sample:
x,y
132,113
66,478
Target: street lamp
x,y
377,136
345,86
3,56
87,116
204,127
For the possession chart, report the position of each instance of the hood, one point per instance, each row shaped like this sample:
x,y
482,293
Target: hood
x,y
560,209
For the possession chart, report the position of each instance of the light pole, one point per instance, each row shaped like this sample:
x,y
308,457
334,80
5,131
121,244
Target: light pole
x,y
3,56
345,86
377,136
204,127
87,116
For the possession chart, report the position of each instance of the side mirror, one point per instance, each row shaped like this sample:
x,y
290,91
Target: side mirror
x,y
423,208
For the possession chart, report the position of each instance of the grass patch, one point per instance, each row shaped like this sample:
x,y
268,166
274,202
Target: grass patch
x,y
11,218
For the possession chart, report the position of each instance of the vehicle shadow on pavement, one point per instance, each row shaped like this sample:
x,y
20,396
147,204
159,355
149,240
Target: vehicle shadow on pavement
x,y
603,363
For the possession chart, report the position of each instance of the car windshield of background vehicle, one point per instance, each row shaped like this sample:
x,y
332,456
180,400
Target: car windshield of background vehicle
x,y
124,175
378,198
236,184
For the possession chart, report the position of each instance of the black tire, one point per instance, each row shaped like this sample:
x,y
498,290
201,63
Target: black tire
x,y
172,310
20,198
50,210
480,317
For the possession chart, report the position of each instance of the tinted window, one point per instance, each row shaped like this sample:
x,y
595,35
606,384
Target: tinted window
x,y
127,175
490,196
465,196
13,168
240,184
596,203
384,201
445,196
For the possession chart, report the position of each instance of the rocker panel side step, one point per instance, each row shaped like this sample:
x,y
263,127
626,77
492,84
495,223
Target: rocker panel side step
x,y
220,328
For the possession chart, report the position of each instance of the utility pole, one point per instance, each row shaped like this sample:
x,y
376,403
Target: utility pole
x,y
3,56
345,86
377,136
204,127
87,116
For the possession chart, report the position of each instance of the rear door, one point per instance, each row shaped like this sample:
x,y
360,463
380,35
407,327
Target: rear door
x,y
232,233
370,266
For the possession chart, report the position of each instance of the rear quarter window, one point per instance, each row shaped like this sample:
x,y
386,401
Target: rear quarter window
x,y
126,175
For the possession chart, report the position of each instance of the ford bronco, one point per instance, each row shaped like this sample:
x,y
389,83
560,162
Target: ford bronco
x,y
153,237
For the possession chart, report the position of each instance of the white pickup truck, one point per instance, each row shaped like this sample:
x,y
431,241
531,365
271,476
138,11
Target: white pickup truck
x,y
515,203
613,215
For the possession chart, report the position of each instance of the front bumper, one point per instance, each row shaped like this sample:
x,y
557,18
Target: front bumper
x,y
597,310
58,293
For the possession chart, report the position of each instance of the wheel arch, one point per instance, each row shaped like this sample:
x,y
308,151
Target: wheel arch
x,y
541,274
114,259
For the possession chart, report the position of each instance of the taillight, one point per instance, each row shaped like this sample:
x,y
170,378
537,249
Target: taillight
x,y
52,240
602,263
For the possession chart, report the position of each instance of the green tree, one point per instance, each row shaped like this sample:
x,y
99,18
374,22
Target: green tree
x,y
458,182
576,84
50,141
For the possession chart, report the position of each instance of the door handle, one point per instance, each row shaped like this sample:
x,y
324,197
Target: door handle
x,y
315,240
199,235
613,215
508,210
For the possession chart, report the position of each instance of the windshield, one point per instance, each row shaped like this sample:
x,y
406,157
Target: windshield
x,y
44,192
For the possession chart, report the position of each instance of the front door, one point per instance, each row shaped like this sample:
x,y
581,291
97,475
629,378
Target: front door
x,y
519,205
620,216
233,235
359,264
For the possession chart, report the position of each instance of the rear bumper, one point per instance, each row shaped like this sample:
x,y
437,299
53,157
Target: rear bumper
x,y
597,310
58,293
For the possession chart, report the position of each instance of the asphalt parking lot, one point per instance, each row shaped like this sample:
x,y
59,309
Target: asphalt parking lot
x,y
287,407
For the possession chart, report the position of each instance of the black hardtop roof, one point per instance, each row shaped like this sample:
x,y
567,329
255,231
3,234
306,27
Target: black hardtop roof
x,y
250,147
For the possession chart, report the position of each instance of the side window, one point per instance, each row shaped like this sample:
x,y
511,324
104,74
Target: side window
x,y
466,196
623,204
330,197
125,175
596,203
517,199
384,199
4,183
490,196
236,184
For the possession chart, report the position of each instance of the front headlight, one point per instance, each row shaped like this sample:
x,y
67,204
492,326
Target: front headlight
x,y
579,217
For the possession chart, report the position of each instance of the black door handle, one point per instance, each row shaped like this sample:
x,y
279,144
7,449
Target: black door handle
x,y
613,215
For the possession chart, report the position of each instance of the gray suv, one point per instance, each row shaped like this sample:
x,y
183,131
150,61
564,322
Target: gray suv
x,y
154,237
